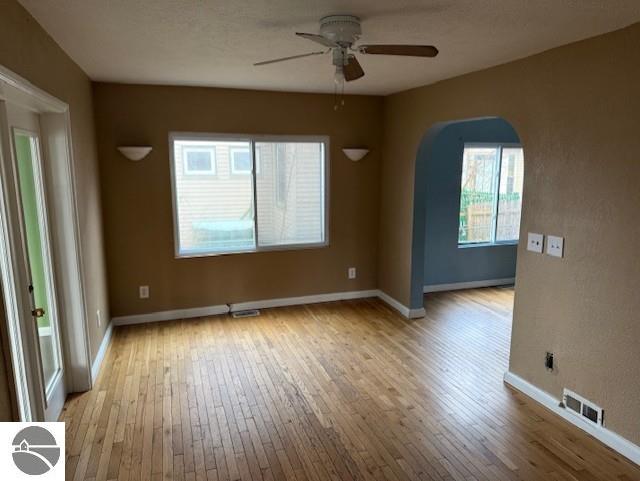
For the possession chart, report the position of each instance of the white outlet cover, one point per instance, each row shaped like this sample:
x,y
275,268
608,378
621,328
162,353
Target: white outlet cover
x,y
555,246
535,242
144,292
352,272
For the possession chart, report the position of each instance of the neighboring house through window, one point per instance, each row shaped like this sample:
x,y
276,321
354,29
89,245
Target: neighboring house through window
x,y
491,194
199,158
240,160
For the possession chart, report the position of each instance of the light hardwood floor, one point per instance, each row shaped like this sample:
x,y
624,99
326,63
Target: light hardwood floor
x,y
337,391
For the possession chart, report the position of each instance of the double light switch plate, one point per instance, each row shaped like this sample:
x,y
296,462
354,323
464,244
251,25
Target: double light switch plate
x,y
555,244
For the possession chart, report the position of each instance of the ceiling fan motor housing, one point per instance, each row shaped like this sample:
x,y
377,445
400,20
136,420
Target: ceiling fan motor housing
x,y
341,29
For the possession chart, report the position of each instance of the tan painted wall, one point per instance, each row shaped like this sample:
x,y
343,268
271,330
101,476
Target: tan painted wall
x,y
577,110
26,49
138,208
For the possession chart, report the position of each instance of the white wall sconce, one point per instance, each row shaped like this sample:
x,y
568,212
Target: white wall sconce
x,y
355,154
134,153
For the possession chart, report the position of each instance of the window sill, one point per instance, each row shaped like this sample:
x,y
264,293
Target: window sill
x,y
273,248
487,244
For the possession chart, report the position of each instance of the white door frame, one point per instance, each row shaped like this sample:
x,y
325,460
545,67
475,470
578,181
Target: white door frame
x,y
65,239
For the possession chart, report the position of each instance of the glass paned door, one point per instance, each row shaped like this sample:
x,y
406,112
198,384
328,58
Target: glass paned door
x,y
31,194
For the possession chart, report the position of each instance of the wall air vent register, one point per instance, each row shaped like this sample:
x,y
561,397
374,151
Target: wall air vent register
x,y
582,407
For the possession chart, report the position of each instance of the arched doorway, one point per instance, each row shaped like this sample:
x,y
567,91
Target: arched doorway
x,y
467,198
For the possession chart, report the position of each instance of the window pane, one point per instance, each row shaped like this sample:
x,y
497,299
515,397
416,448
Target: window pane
x,y
510,195
241,161
290,193
478,194
199,159
214,212
26,153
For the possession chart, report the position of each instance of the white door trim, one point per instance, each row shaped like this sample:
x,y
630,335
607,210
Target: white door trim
x,y
15,300
65,230
65,236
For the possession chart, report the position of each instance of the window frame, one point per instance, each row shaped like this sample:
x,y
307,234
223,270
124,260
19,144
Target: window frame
x,y
278,169
252,139
496,184
214,168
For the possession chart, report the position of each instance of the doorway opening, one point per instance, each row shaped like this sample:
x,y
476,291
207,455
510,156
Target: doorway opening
x,y
467,206
42,288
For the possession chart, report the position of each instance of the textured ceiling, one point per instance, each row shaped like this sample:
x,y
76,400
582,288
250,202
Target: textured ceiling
x,y
215,42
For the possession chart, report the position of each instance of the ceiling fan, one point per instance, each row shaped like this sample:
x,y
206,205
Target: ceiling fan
x,y
339,33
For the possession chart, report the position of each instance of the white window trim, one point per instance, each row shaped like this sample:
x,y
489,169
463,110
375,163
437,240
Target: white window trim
x,y
188,171
234,171
251,139
494,218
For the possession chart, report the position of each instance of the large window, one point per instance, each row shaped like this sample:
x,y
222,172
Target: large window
x,y
491,194
253,193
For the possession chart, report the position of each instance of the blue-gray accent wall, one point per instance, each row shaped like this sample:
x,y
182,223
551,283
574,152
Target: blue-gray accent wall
x,y
444,261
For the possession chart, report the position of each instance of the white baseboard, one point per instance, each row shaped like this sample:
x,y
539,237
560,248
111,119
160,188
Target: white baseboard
x,y
264,304
416,313
401,308
171,315
455,286
609,438
296,301
106,339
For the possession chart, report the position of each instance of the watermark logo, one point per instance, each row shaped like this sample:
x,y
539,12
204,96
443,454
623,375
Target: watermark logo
x,y
35,450
32,451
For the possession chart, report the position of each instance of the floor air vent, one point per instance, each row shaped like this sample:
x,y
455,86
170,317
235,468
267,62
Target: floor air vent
x,y
247,313
582,407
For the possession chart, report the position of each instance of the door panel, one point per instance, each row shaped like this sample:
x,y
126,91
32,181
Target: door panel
x,y
41,321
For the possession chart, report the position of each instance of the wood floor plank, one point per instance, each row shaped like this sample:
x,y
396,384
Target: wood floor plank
x,y
338,391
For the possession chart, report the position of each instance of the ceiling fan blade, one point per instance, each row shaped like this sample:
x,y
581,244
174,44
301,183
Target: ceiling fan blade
x,y
406,50
318,39
352,70
292,57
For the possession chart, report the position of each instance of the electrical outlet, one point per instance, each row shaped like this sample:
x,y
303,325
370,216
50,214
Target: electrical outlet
x,y
98,318
548,361
144,292
535,242
351,272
